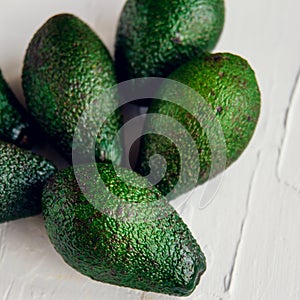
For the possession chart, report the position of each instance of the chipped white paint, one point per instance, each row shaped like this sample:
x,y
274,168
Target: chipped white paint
x,y
250,232
289,163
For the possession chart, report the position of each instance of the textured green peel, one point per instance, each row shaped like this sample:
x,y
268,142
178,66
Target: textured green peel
x,y
67,67
22,177
13,126
155,37
229,86
157,255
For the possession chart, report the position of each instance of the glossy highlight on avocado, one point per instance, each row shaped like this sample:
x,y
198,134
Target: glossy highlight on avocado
x,y
158,255
22,177
14,127
67,67
155,37
228,84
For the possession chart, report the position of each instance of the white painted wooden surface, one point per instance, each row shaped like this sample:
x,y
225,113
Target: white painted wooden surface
x,y
250,232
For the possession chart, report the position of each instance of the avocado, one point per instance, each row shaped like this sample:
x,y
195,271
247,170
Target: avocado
x,y
124,234
14,126
228,85
22,177
66,68
155,37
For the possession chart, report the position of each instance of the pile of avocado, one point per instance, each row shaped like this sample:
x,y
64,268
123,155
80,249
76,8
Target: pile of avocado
x,y
136,239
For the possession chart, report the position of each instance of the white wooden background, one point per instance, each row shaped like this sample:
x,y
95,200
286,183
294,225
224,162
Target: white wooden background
x,y
250,233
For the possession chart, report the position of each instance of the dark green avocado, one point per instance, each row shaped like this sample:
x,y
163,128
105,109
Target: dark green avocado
x,y
144,246
228,84
22,177
14,126
155,37
67,67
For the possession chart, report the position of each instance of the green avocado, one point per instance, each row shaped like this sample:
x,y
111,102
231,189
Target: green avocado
x,y
66,68
14,126
22,177
125,234
228,85
155,37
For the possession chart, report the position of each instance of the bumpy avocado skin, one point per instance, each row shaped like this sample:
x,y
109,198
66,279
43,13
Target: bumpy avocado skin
x,y
155,37
157,255
65,68
14,127
228,84
22,177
